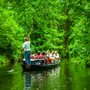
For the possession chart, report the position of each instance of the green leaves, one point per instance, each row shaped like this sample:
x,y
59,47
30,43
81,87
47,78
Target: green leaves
x,y
56,25
10,34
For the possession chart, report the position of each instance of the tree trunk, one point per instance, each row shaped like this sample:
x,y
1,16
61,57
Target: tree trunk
x,y
67,35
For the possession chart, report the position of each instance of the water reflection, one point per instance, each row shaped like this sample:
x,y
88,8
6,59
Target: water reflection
x,y
27,80
37,79
68,76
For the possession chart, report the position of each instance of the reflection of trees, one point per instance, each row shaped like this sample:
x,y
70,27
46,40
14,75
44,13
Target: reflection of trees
x,y
38,79
67,74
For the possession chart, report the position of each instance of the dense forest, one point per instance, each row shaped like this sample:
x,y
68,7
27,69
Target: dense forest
x,y
59,25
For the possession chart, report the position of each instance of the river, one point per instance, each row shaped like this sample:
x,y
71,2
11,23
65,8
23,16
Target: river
x,y
67,76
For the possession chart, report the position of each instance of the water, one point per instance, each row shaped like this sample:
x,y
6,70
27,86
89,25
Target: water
x,y
72,76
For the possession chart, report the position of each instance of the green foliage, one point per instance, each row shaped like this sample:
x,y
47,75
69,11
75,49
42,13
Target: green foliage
x,y
3,59
57,25
10,34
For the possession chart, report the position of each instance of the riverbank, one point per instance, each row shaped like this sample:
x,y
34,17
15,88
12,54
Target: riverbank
x,y
4,59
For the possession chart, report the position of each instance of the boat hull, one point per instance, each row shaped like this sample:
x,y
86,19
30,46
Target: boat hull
x,y
39,67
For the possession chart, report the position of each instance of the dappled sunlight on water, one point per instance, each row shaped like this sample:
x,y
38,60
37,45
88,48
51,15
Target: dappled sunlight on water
x,y
68,76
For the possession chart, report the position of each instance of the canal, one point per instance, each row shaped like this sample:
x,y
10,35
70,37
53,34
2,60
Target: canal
x,y
68,76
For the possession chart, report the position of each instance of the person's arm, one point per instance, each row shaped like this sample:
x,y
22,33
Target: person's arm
x,y
22,49
29,38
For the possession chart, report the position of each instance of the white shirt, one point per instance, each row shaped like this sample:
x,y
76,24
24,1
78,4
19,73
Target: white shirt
x,y
52,57
56,56
26,46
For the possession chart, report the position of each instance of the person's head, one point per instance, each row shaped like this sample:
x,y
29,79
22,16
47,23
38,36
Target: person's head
x,y
43,52
55,52
32,53
25,39
52,52
48,51
38,52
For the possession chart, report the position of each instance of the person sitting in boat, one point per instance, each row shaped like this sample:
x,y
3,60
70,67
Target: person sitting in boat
x,y
32,56
38,54
48,58
46,55
57,58
42,56
35,55
48,52
52,57
51,53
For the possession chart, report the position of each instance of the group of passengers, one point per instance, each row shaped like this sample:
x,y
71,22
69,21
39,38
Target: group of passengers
x,y
48,57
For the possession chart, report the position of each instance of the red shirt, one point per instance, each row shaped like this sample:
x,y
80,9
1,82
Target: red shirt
x,y
49,60
37,56
42,57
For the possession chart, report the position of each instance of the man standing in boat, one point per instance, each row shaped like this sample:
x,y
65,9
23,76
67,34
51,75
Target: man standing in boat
x,y
26,48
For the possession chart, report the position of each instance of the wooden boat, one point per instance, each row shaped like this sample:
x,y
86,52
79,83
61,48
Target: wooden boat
x,y
42,66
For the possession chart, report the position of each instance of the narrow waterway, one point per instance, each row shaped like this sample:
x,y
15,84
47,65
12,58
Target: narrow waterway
x,y
68,76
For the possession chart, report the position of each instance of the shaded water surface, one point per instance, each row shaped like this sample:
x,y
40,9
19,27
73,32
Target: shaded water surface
x,y
68,76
